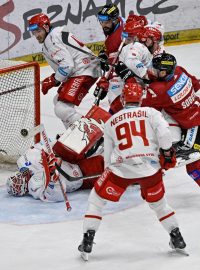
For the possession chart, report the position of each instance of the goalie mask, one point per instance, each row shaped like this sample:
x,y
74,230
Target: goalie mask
x,y
17,185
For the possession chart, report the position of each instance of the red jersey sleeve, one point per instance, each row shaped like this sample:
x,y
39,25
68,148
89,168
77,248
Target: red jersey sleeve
x,y
195,81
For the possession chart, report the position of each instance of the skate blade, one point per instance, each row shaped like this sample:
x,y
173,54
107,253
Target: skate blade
x,y
182,162
179,251
84,256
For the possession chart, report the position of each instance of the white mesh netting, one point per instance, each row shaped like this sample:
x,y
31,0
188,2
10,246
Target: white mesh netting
x,y
17,107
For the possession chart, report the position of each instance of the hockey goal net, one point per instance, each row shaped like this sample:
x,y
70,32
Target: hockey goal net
x,y
19,107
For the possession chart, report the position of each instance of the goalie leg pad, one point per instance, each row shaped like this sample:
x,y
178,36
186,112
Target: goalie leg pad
x,y
81,136
91,166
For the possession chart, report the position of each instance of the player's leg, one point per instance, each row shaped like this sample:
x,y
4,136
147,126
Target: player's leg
x,y
153,192
106,188
70,94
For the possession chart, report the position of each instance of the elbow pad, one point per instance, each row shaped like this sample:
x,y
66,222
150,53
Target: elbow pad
x,y
63,73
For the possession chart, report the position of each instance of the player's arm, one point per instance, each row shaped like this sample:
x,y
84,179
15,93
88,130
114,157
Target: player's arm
x,y
167,153
65,63
195,81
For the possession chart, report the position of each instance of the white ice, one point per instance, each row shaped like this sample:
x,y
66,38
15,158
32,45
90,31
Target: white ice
x,y
35,235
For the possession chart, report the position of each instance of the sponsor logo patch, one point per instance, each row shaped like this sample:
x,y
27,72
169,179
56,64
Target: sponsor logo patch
x,y
180,89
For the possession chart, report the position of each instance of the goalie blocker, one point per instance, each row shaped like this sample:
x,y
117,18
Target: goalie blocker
x,y
80,137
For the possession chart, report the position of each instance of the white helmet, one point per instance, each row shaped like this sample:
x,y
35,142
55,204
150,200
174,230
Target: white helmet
x,y
17,185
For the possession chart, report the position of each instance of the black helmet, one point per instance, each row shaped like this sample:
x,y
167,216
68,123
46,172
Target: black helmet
x,y
108,12
165,61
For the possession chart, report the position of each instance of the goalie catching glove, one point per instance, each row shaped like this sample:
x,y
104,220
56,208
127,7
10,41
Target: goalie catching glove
x,y
101,88
48,83
167,158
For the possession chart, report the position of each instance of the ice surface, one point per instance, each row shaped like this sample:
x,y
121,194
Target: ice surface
x,y
35,235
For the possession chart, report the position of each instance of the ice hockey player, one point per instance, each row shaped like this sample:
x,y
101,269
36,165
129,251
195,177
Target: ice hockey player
x,y
134,24
175,92
146,23
38,177
112,24
74,71
132,138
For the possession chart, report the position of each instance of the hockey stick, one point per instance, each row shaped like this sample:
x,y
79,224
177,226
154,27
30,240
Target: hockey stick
x,y
65,36
97,100
71,178
40,128
17,89
180,162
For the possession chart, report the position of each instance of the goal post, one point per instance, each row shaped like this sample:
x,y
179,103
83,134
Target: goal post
x,y
19,107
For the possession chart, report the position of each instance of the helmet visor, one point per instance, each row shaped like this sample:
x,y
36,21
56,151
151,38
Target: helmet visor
x,y
33,27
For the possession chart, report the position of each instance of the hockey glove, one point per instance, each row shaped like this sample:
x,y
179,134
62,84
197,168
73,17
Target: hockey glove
x,y
48,162
102,86
103,55
48,83
123,71
167,158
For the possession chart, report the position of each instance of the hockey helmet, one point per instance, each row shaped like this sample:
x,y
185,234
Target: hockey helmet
x,y
108,12
17,185
131,93
132,29
165,61
38,21
137,18
150,32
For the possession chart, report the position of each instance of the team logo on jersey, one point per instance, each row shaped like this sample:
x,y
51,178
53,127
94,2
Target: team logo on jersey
x,y
112,191
180,89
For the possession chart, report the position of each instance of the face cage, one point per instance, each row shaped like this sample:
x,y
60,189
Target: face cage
x,y
17,185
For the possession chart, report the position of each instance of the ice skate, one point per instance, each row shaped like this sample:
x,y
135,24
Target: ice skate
x,y
185,155
86,246
177,242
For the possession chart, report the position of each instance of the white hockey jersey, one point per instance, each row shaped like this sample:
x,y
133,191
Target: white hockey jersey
x,y
67,61
36,185
137,57
132,138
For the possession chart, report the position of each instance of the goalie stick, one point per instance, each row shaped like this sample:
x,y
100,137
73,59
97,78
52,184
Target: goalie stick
x,y
32,132
71,178
179,163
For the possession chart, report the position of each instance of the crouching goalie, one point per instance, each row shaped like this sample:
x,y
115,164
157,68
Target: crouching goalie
x,y
38,177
